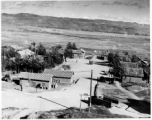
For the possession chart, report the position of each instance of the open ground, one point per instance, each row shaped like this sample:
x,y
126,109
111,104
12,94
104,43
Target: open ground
x,y
24,35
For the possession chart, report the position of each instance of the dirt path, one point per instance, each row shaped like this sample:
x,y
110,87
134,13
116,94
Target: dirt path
x,y
130,94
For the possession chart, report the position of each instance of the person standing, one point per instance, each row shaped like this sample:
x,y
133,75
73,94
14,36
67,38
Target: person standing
x,y
21,85
95,89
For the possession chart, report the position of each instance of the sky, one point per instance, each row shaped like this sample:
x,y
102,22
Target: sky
x,y
115,10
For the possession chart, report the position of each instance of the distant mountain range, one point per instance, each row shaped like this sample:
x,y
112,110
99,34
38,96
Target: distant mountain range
x,y
25,19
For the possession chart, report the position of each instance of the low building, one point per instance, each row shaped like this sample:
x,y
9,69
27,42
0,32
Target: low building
x,y
78,53
42,80
60,76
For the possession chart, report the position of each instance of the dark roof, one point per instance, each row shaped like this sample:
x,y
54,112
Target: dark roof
x,y
35,76
133,72
76,51
58,73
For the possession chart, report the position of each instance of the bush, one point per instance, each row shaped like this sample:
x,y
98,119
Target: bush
x,y
90,62
66,67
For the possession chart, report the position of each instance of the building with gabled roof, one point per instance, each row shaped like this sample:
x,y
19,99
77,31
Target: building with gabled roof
x,y
60,76
35,79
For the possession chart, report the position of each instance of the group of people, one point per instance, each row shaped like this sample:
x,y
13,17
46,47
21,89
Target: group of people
x,y
54,85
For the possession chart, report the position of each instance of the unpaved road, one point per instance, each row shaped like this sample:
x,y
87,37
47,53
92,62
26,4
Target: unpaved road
x,y
130,94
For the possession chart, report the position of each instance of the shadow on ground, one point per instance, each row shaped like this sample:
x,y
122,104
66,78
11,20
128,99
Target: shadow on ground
x,y
94,79
139,105
102,63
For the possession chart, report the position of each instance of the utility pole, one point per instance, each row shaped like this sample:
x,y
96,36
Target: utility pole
x,y
90,91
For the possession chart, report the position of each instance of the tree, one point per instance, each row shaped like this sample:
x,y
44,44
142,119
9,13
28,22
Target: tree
x,y
134,58
69,45
110,58
32,47
25,63
9,65
68,53
49,63
10,53
41,50
114,60
68,50
59,46
17,63
74,46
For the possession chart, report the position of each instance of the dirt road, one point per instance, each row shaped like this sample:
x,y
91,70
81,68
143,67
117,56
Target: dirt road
x,y
130,94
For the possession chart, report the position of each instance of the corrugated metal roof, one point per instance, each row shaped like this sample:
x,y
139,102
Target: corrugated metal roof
x,y
58,73
35,76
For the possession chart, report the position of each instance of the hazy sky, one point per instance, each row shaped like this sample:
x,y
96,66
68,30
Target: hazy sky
x,y
118,10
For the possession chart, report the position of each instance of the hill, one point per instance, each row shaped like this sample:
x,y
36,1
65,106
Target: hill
x,y
25,19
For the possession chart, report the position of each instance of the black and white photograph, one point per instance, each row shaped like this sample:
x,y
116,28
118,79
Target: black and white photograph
x,y
75,59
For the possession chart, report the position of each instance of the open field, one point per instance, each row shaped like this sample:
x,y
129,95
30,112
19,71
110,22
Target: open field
x,y
24,35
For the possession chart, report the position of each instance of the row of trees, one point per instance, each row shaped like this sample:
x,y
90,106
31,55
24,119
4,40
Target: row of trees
x,y
42,59
39,50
